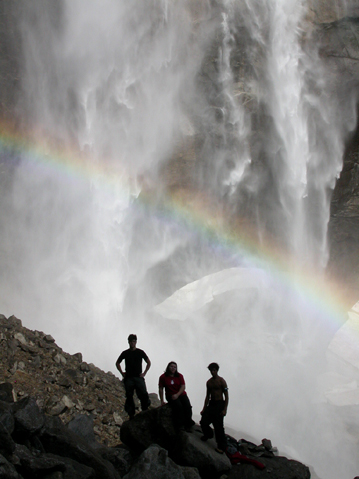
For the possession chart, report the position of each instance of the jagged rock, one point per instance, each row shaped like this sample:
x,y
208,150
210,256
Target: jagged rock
x,y
58,439
14,322
276,468
6,392
192,473
78,357
35,466
83,425
156,427
29,419
48,338
117,418
20,337
120,457
7,444
7,470
191,451
154,463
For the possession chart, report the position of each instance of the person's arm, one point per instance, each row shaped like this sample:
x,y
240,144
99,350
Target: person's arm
x,y
148,365
206,400
179,392
226,397
160,393
118,366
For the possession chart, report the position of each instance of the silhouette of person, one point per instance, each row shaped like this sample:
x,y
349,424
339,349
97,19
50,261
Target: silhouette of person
x,y
134,378
172,382
215,408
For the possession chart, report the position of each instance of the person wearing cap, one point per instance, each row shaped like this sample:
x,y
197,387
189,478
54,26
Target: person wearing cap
x,y
133,377
215,408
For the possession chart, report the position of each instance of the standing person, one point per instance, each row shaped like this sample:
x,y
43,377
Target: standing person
x,y
134,378
174,385
215,408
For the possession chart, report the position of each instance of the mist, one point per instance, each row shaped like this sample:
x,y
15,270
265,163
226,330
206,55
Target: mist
x,y
165,157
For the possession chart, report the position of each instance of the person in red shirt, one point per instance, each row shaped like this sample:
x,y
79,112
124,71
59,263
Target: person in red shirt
x,y
172,382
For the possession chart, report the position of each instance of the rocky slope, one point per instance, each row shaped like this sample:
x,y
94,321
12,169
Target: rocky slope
x,y
62,384
61,418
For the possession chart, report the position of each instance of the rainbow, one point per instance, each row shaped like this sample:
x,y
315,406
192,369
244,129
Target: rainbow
x,y
193,211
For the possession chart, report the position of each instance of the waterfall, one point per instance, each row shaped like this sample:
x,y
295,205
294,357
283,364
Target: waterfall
x,y
182,155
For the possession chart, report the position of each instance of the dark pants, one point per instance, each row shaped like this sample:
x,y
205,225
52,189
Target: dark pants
x,y
135,384
181,411
213,415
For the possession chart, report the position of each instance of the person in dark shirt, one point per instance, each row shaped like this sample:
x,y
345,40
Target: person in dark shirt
x,y
133,377
172,382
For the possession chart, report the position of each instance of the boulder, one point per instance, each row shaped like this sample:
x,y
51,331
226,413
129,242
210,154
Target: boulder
x,y
7,470
56,438
154,426
82,425
29,419
154,463
190,450
6,392
186,449
120,457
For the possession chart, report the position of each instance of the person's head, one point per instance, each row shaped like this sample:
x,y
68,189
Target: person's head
x,y
132,340
213,368
171,369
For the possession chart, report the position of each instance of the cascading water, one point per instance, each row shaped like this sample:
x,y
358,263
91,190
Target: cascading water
x,y
156,106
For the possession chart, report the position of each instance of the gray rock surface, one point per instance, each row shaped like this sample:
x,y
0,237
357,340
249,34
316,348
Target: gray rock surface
x,y
154,463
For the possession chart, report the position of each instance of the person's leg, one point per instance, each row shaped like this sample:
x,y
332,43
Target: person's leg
x,y
187,411
218,419
205,424
177,413
142,393
129,404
